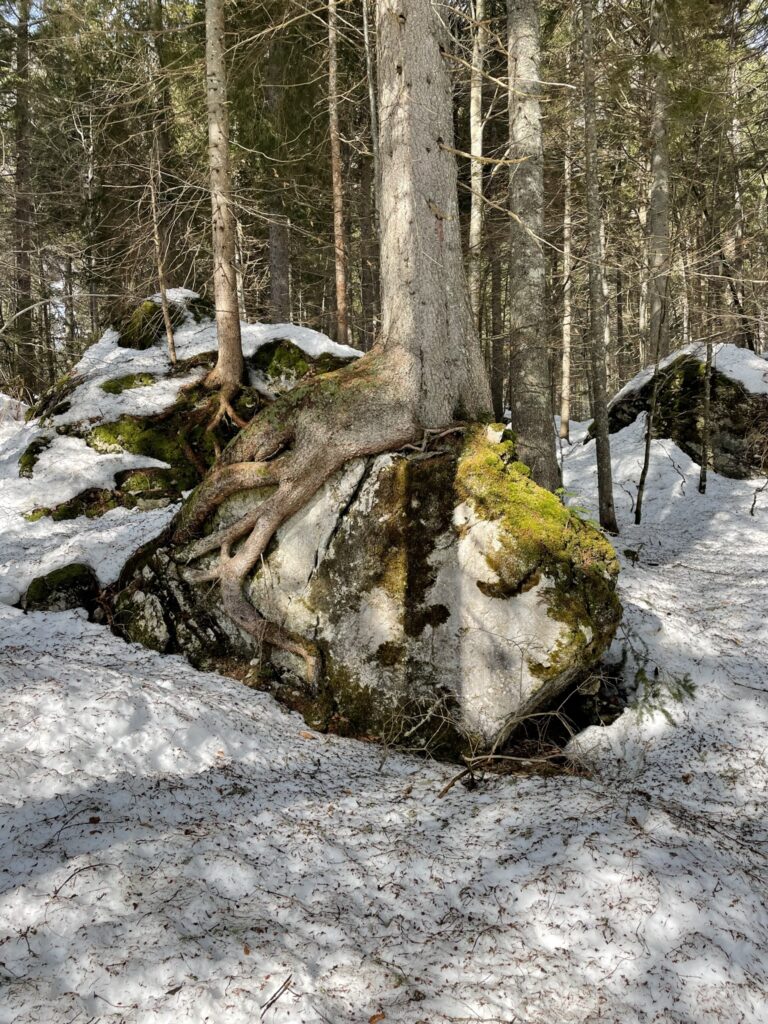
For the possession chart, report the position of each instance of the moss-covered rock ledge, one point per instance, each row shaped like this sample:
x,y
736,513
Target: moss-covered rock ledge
x,y
450,596
738,434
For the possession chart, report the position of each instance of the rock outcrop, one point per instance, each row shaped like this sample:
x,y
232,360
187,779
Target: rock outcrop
x,y
450,596
738,437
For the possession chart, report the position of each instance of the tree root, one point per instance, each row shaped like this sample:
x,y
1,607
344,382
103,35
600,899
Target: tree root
x,y
294,445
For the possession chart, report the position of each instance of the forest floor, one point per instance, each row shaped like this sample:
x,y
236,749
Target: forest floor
x,y
177,848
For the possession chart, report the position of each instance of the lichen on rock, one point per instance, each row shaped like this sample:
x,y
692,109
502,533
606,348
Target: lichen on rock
x,y
448,593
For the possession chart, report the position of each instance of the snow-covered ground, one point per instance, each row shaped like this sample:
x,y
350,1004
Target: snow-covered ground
x,y
107,361
178,848
69,466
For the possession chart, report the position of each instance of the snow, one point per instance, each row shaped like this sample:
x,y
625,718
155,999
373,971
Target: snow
x,y
739,364
176,847
69,466
64,469
106,361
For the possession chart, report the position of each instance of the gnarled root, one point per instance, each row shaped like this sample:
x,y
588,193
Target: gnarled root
x,y
294,445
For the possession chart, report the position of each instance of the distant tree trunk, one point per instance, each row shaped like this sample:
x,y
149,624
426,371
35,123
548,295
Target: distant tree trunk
x,y
497,333
596,299
24,329
163,140
476,150
565,379
70,323
658,207
228,371
532,413
368,253
279,270
157,237
625,370
734,242
373,110
339,243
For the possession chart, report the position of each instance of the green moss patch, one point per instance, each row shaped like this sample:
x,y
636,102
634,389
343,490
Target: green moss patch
x,y
538,536
128,383
29,457
143,326
284,361
72,586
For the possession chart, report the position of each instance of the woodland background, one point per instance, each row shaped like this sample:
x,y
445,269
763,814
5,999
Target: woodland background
x,y
103,122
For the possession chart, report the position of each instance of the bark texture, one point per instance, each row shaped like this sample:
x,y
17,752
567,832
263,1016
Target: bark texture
x,y
532,396
425,372
658,206
229,367
26,350
339,241
479,45
596,296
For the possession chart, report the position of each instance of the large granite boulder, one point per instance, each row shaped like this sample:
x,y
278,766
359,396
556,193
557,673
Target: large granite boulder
x,y
450,596
738,437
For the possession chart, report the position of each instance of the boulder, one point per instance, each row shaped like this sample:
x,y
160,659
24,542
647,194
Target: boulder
x,y
738,439
450,596
71,586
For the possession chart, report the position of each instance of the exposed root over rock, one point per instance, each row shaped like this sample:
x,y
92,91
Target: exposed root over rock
x,y
292,447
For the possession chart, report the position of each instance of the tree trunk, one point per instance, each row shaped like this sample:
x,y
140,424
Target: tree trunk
x,y
228,371
167,216
70,322
476,150
532,413
24,329
497,333
658,207
339,242
373,110
368,253
565,379
155,177
596,299
279,270
425,372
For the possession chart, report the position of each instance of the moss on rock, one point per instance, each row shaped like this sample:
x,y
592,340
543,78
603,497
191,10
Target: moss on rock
x,y
29,457
143,326
127,383
738,436
538,537
72,586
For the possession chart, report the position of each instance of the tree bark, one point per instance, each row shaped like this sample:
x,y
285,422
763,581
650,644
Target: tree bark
x,y
532,413
658,207
279,270
475,245
339,241
228,371
24,331
369,262
373,109
565,377
497,333
425,372
596,298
